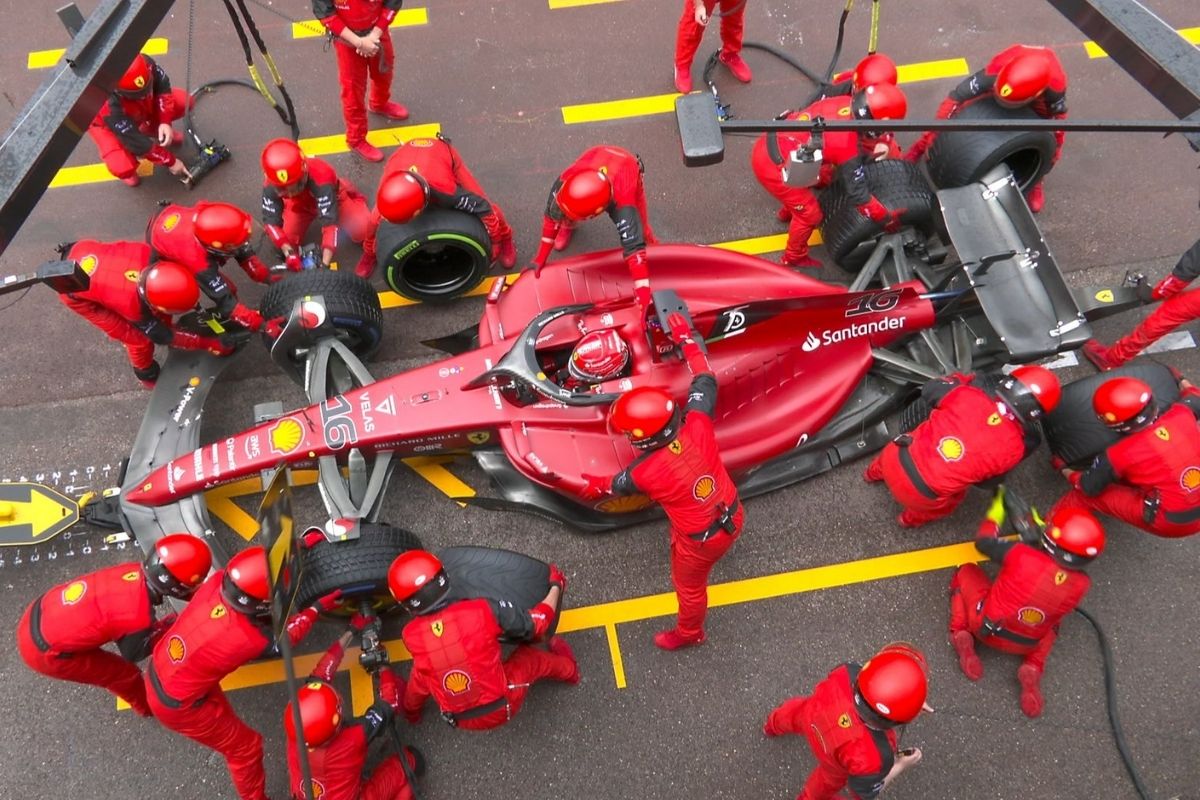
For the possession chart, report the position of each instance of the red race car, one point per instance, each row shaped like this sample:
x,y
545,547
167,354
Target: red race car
x,y
810,374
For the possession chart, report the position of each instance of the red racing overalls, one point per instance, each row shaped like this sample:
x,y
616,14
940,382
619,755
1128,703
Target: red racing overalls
x,y
112,303
324,195
61,633
354,71
1174,311
971,436
1020,611
772,153
1151,478
451,185
457,660
690,32
689,480
210,640
126,129
847,751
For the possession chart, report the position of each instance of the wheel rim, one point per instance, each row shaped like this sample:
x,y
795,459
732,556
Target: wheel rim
x,y
1025,165
441,268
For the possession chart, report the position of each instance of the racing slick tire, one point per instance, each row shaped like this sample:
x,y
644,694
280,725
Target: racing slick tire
x,y
352,304
497,574
442,254
1073,432
358,567
849,236
958,158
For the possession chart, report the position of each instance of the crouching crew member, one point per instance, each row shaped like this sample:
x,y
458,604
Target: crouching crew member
x,y
1151,477
62,633
455,646
850,720
981,426
681,469
1038,585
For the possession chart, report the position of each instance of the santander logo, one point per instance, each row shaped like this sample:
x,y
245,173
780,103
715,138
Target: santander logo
x,y
810,343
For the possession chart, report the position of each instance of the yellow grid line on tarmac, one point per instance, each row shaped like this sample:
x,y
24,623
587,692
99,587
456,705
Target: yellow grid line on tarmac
x,y
313,146
430,468
665,103
1192,35
607,616
576,3
405,17
44,59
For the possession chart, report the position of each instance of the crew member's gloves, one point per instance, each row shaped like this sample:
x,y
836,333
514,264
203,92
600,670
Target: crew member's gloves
x,y
557,578
947,109
644,297
186,340
329,602
597,486
246,317
391,688
681,333
1168,287
996,513
680,330
147,376
874,210
360,621
894,223
256,269
293,261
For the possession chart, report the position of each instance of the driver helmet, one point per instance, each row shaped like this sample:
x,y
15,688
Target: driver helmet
x,y
177,565
1125,404
138,79
892,686
599,356
247,586
418,581
222,228
584,195
874,69
168,287
1030,391
1074,537
320,713
647,415
1022,80
401,197
284,164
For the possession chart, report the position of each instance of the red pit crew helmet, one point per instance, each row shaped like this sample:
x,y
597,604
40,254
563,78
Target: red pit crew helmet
x,y
137,80
1031,391
647,415
1125,404
418,581
892,686
169,287
177,565
1020,81
1074,537
402,197
874,69
222,228
283,163
246,586
320,713
880,101
584,195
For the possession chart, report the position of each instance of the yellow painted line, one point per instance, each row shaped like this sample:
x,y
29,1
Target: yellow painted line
x,y
619,109
405,17
362,688
43,59
384,137
932,70
758,245
637,609
444,480
1192,35
389,299
614,649
576,3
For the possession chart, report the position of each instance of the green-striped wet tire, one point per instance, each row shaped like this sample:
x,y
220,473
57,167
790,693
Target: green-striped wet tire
x,y
440,255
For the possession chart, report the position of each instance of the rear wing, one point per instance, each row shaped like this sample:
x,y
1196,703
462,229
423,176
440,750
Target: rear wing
x,y
1008,262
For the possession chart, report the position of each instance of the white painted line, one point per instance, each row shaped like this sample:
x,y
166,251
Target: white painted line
x,y
1176,340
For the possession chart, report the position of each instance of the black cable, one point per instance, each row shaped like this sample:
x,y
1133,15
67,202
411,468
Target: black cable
x,y
16,299
1110,689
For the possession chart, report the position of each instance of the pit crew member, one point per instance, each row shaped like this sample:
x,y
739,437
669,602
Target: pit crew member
x,y
695,17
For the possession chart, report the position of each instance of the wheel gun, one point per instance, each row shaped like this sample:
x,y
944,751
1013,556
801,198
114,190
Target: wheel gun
x,y
374,655
211,156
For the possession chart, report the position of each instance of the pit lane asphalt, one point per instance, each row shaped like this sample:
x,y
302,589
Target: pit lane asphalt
x,y
687,724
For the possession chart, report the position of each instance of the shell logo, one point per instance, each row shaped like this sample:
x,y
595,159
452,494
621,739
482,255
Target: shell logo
x,y
421,142
176,649
1006,90
318,789
618,505
1189,479
951,448
804,117
285,435
456,681
703,488
139,82
130,577
1163,433
74,592
89,263
995,419
1031,616
1060,578
676,447
170,222
282,176
844,721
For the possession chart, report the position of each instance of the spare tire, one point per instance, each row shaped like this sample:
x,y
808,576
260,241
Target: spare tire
x,y
442,254
358,567
1075,434
958,158
849,236
352,303
497,575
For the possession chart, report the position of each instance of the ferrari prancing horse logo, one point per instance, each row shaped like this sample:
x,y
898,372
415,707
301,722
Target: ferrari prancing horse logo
x,y
676,447
218,612
844,721
994,419
438,628
1060,578
1163,433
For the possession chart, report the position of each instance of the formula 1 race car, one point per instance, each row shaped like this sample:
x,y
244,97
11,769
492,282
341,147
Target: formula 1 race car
x,y
810,374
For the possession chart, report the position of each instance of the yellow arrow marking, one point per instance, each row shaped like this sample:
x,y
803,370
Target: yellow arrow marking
x,y
33,511
1192,35
44,512
405,17
42,59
